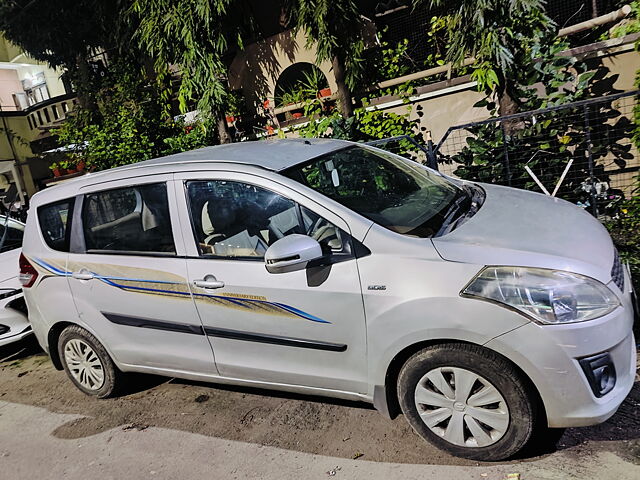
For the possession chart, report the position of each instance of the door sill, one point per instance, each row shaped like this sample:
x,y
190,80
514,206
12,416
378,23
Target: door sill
x,y
284,387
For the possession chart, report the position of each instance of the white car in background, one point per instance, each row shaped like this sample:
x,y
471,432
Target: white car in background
x,y
14,325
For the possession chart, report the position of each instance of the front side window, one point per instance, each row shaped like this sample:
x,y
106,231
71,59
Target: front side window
x,y
238,220
397,194
11,232
132,219
55,224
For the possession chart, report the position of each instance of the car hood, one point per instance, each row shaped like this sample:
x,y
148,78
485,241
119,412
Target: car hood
x,y
516,227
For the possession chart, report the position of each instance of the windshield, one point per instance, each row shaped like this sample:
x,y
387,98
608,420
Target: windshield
x,y
398,194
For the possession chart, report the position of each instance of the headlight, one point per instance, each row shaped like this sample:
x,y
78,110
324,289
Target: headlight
x,y
548,296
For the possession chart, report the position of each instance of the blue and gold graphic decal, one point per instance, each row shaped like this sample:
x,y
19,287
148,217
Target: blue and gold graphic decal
x,y
171,285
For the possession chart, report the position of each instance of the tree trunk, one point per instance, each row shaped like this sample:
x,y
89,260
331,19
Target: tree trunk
x,y
345,102
83,84
507,105
223,129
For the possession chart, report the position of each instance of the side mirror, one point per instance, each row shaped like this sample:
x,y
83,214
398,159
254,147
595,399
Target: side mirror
x,y
291,253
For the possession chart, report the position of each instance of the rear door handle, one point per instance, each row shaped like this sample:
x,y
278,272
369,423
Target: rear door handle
x,y
83,275
208,282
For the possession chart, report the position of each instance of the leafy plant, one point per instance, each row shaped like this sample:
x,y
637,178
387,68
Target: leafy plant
x,y
499,34
545,143
335,28
365,124
627,26
126,127
624,231
189,137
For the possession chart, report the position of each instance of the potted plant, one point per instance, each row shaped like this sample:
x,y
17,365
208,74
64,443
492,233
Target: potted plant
x,y
55,168
315,84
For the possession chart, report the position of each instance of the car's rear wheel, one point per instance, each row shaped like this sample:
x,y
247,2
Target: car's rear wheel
x,y
87,363
467,400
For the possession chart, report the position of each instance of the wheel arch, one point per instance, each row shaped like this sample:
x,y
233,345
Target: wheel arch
x,y
385,397
52,341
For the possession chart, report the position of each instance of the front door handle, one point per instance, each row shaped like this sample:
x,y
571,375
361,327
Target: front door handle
x,y
209,281
83,275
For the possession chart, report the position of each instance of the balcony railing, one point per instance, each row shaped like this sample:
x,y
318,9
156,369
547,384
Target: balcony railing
x,y
50,112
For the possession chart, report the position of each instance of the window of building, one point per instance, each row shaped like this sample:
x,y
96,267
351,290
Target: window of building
x,y
239,220
133,219
46,115
39,117
56,114
55,223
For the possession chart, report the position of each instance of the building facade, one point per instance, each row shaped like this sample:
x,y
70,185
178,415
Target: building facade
x,y
33,99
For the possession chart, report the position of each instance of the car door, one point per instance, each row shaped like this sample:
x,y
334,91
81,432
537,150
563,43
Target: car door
x,y
304,327
128,276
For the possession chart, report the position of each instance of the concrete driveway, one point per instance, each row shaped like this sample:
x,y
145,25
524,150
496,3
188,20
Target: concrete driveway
x,y
173,429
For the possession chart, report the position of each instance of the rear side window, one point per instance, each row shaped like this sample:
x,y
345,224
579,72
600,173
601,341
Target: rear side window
x,y
55,224
132,219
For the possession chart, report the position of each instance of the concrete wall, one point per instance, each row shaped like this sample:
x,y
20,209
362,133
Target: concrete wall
x,y
256,69
8,51
9,83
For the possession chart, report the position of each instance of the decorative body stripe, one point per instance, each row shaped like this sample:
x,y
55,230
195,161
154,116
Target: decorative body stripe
x,y
241,303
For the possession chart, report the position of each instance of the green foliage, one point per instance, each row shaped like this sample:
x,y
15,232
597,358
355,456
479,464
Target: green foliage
x,y
194,35
189,137
547,142
364,125
500,35
335,28
624,231
306,89
59,32
636,109
627,26
127,126
495,32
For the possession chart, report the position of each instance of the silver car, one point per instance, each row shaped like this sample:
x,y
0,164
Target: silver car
x,y
486,315
14,325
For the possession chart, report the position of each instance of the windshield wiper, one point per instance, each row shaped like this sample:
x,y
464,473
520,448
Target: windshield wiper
x,y
456,211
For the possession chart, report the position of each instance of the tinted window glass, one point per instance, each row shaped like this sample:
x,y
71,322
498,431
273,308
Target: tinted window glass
x,y
131,219
233,219
55,223
13,237
397,194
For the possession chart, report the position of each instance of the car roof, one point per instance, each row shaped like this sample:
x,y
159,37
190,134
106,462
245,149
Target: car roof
x,y
272,154
276,155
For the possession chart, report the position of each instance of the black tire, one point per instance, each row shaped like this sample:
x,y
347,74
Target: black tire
x,y
492,367
112,376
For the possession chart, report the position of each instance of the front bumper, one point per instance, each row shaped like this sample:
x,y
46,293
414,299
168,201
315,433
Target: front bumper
x,y
550,356
14,325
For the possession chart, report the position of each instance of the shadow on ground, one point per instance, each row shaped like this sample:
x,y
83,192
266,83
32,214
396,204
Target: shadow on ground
x,y
296,422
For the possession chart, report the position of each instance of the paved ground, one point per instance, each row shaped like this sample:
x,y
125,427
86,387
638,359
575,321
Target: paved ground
x,y
173,429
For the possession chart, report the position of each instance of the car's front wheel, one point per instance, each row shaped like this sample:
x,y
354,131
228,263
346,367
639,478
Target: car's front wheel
x,y
87,363
467,400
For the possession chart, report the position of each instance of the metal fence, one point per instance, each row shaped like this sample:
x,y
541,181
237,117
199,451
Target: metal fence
x,y
582,152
